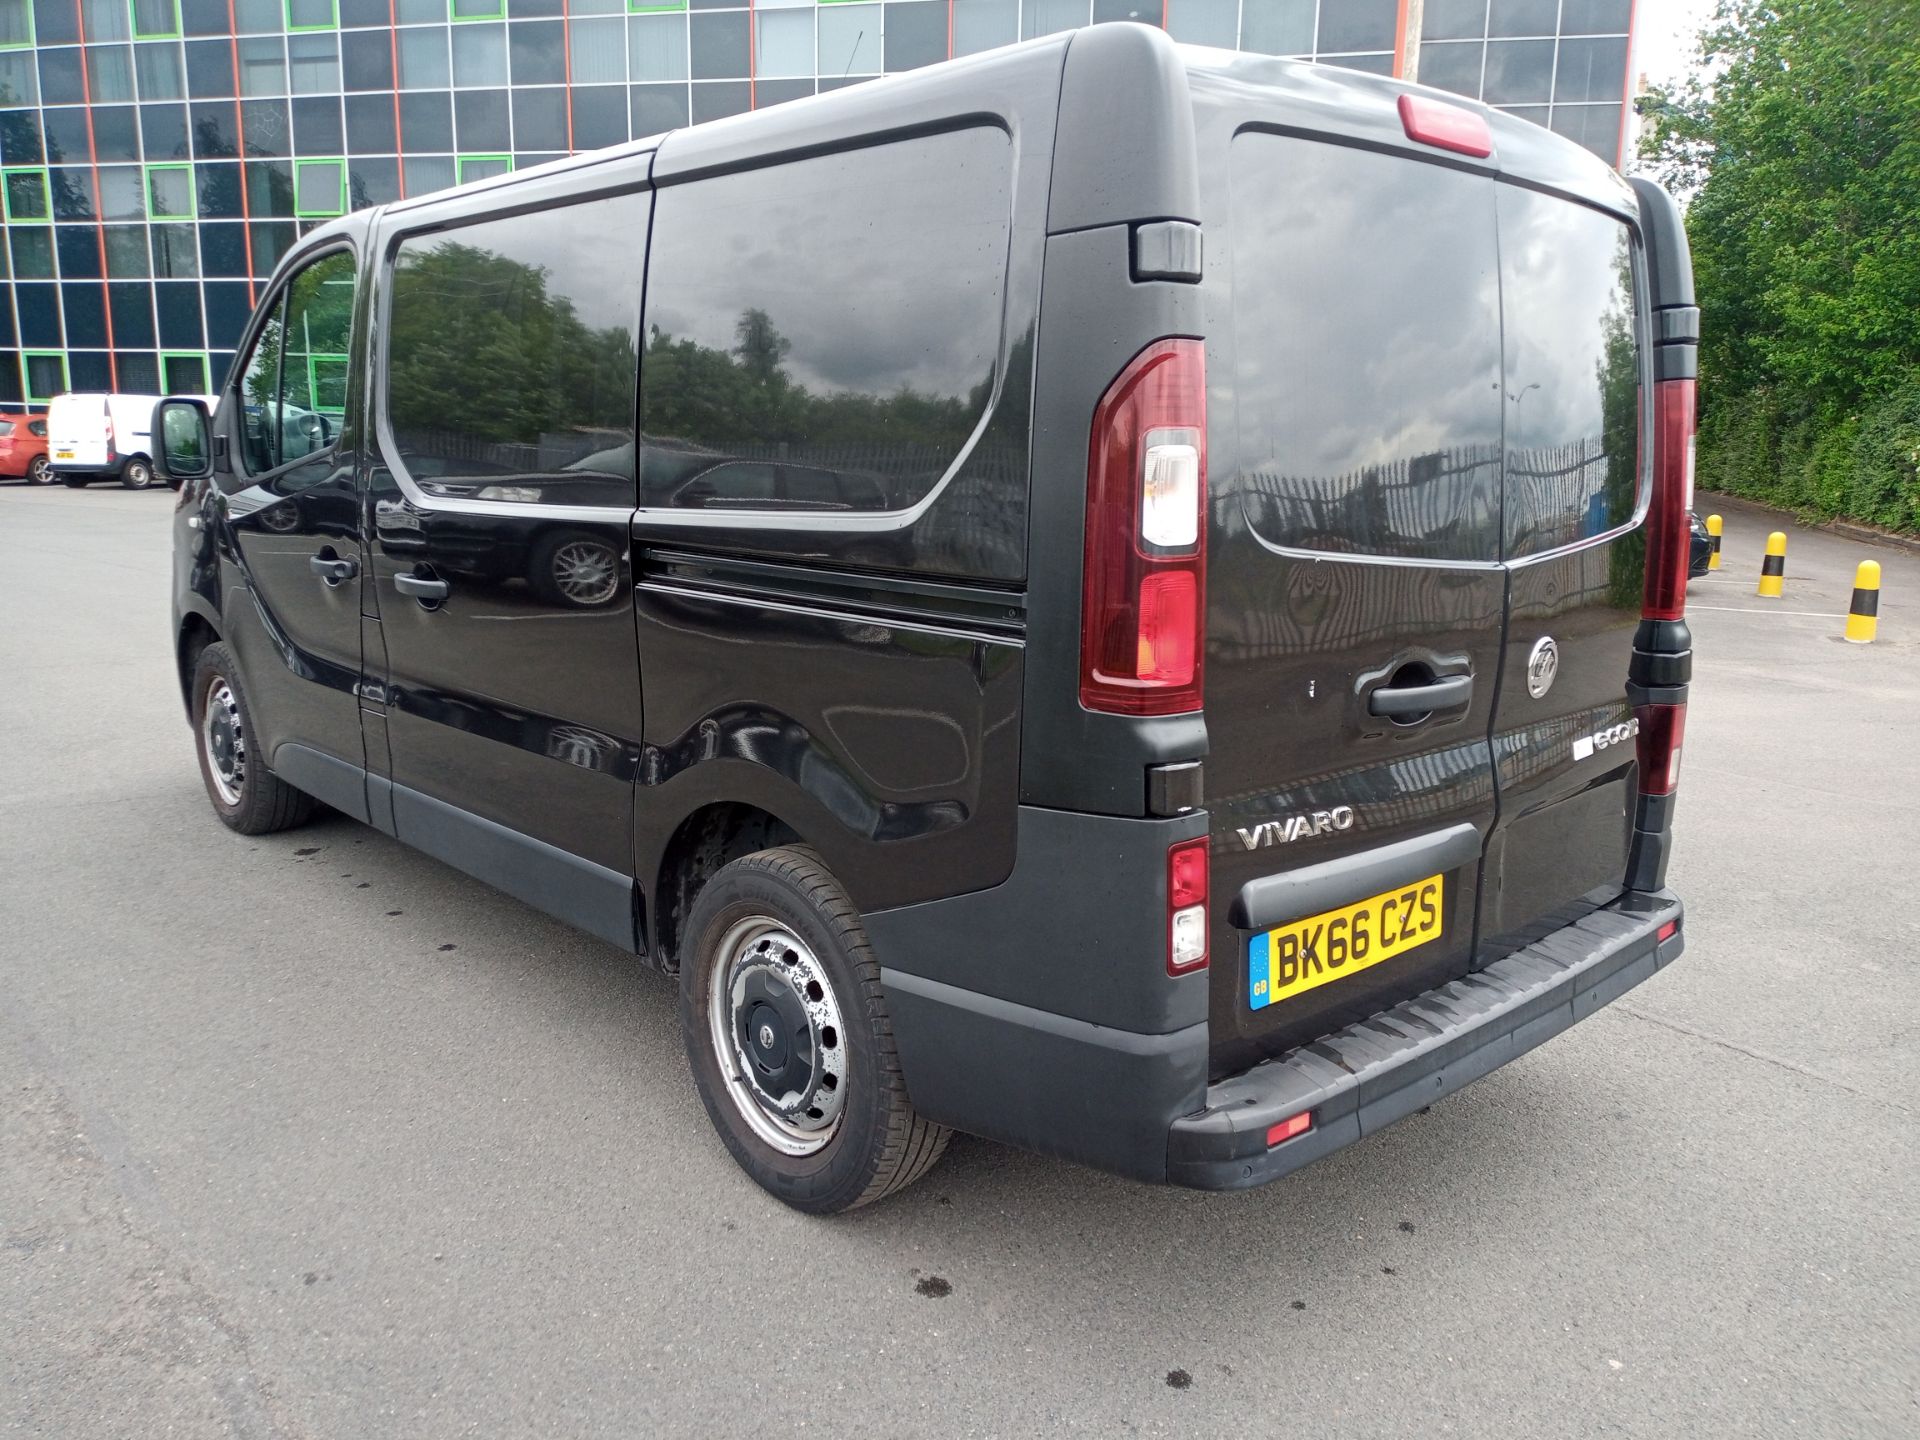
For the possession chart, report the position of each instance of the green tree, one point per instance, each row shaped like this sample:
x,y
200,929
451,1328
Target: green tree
x,y
1799,144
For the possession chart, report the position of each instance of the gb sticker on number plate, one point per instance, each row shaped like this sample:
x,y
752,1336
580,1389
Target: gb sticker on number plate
x,y
1307,954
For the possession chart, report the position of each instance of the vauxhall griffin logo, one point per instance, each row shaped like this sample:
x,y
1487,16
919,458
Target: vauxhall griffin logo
x,y
1297,827
1542,665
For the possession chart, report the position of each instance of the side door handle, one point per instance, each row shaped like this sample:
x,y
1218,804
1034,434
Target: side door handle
x,y
331,568
421,587
1406,701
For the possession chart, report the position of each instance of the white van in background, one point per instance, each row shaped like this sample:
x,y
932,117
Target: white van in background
x,y
93,436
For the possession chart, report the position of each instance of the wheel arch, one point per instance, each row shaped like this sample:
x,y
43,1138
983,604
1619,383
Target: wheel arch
x,y
707,838
196,633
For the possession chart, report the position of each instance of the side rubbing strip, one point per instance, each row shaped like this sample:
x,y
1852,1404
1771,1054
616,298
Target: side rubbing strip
x,y
1275,899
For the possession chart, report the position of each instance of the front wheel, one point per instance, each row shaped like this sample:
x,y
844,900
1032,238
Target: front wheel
x,y
40,472
246,795
136,474
788,1036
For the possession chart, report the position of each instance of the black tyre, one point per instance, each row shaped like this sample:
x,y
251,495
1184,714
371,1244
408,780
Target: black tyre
x,y
575,569
40,471
136,474
246,795
787,1033
76,482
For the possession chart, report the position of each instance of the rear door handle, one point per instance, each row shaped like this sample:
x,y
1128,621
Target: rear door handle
x,y
1406,701
332,569
421,587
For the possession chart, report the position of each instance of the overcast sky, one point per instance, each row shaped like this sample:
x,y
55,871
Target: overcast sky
x,y
1665,31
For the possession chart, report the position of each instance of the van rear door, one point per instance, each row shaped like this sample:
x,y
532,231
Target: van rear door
x,y
1355,587
77,431
1563,738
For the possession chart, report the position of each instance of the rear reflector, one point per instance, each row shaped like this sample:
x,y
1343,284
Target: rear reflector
x,y
1144,585
1662,728
1288,1128
1444,126
1668,930
1187,906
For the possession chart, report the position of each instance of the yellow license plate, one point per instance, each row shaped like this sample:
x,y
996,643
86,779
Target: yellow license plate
x,y
1321,949
63,454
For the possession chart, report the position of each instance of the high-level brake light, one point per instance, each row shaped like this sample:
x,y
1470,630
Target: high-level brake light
x,y
1444,126
1144,585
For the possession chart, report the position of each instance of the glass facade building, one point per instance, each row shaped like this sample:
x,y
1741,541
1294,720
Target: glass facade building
x,y
157,157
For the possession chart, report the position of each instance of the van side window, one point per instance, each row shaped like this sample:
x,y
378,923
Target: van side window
x,y
832,323
511,355
1573,372
292,387
1367,351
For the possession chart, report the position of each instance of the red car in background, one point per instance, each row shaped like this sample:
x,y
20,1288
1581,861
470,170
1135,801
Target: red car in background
x,y
23,449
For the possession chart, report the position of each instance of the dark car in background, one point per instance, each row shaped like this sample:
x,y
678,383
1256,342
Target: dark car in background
x,y
1182,726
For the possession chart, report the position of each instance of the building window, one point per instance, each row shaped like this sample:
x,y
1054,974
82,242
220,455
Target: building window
x,y
26,198
155,19
477,9
170,192
313,15
16,24
319,188
183,372
45,372
480,167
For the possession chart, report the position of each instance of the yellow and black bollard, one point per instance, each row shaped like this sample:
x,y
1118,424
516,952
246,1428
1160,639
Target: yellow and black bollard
x,y
1714,527
1773,569
1863,615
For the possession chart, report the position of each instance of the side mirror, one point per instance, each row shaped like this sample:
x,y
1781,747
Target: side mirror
x,y
185,435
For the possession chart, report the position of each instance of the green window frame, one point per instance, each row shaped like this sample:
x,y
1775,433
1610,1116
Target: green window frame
x,y
646,7
154,212
133,21
300,169
461,162
335,368
12,176
333,7
167,387
26,9
499,11
27,357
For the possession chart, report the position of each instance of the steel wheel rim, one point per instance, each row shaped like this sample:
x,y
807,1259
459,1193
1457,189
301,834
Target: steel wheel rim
x,y
223,741
757,957
585,572
139,475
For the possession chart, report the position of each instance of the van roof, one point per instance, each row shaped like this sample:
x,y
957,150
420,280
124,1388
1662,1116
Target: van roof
x,y
1126,99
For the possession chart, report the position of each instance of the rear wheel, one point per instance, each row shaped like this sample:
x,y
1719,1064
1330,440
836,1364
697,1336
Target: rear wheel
x,y
40,471
136,474
246,795
787,1033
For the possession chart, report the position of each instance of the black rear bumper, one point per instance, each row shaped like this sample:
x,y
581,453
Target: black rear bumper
x,y
1357,1080
1134,1099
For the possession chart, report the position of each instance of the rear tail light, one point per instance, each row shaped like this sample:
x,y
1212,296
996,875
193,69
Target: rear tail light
x,y
109,437
1144,598
1187,906
1662,728
1668,532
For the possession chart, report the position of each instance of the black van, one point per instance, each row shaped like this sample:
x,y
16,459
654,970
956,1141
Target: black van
x,y
1122,599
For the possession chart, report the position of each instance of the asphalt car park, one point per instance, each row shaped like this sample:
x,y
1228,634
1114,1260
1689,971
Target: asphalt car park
x,y
309,1135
